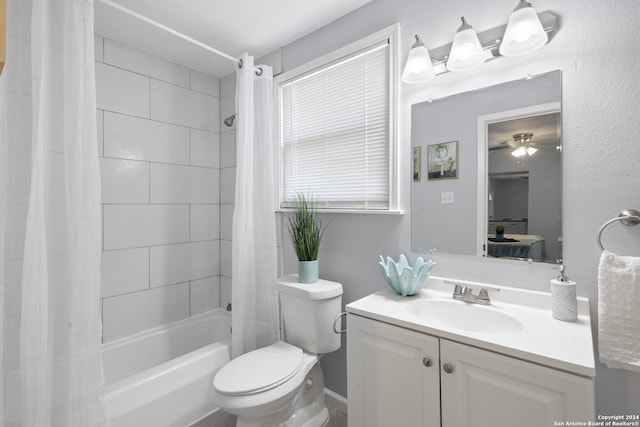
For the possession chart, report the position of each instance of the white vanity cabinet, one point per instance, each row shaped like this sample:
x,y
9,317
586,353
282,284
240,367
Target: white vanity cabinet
x,y
401,377
393,375
482,388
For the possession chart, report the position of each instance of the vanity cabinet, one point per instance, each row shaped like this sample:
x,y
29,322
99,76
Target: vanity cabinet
x,y
397,376
490,389
393,375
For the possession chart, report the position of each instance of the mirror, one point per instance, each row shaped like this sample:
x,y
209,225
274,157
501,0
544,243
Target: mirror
x,y
457,200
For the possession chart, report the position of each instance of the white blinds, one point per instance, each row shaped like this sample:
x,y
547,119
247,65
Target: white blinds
x,y
335,132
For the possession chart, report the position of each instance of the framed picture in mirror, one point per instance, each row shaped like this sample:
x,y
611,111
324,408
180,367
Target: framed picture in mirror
x,y
442,160
417,163
3,35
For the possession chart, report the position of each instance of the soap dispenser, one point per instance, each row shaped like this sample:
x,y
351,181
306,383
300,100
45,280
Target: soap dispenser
x,y
564,301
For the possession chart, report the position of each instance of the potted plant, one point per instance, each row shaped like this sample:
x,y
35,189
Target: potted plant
x,y
451,162
306,231
499,232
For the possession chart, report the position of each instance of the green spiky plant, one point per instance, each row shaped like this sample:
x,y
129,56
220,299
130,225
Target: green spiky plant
x,y
305,228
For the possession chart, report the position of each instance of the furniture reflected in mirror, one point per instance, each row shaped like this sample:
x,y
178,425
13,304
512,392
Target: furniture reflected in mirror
x,y
508,172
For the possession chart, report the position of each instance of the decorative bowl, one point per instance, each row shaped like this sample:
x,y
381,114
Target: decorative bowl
x,y
403,278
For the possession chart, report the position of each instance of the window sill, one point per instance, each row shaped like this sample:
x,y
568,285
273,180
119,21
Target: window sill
x,y
353,211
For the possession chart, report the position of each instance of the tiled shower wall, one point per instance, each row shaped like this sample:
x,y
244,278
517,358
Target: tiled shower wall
x,y
159,135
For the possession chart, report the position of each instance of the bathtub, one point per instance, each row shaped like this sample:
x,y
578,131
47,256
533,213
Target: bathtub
x,y
162,377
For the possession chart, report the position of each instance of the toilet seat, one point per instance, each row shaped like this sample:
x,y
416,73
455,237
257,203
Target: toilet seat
x,y
259,370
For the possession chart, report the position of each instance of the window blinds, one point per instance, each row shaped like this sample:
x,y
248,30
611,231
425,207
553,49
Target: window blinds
x,y
335,132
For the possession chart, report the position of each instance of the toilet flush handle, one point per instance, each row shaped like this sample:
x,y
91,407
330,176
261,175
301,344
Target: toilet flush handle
x,y
335,323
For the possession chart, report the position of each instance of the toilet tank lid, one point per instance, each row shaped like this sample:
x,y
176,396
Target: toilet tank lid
x,y
322,289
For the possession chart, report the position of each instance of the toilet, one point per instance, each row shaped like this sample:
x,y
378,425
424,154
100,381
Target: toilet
x,y
282,384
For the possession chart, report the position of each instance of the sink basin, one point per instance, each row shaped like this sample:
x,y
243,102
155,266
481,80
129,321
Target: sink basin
x,y
466,316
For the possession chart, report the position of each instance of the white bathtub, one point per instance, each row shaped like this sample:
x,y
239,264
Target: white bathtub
x,y
162,377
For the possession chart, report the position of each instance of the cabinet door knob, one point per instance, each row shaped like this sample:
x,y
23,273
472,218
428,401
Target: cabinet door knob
x,y
448,368
426,362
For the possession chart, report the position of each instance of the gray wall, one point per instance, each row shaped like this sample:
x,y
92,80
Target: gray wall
x,y
598,55
511,198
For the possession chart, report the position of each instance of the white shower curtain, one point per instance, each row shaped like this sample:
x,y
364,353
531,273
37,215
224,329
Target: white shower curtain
x,y
254,254
50,226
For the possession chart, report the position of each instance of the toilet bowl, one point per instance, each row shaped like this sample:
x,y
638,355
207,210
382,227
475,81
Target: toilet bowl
x,y
296,399
282,385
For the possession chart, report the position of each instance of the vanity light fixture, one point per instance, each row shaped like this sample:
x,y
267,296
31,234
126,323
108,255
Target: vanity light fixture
x,y
418,68
524,33
520,36
466,50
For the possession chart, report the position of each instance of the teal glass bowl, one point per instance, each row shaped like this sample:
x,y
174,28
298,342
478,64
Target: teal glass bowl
x,y
402,277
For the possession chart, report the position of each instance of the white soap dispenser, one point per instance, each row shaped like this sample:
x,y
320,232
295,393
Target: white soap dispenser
x,y
564,301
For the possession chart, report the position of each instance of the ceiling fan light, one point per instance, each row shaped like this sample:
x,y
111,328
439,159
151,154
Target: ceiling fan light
x,y
524,33
418,68
531,150
519,152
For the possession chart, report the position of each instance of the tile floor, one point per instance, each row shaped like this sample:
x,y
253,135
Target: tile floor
x,y
337,418
222,419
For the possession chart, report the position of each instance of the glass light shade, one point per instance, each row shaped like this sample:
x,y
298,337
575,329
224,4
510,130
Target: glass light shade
x,y
519,152
418,68
524,32
531,151
466,51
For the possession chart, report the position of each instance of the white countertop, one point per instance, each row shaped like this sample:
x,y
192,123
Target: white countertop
x,y
541,339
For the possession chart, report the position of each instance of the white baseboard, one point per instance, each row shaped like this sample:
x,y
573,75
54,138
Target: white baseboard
x,y
334,400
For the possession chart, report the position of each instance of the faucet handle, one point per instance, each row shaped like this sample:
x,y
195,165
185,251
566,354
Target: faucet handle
x,y
484,292
458,289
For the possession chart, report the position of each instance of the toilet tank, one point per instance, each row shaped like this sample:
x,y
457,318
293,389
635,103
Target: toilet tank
x,y
308,312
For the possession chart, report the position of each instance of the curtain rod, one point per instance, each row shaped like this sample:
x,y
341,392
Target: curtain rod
x,y
169,30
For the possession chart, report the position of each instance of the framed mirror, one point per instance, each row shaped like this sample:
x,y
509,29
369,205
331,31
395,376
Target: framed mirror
x,y
507,172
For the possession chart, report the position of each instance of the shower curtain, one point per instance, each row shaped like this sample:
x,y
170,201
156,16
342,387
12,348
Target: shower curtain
x,y
254,254
50,226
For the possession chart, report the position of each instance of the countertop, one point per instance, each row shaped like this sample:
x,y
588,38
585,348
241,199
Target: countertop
x,y
567,346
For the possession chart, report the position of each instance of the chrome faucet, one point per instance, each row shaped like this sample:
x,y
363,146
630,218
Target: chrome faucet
x,y
465,293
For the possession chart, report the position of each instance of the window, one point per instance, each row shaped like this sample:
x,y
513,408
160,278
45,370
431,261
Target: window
x,y
337,127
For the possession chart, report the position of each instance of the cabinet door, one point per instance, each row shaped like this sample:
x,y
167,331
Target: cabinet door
x,y
488,389
393,375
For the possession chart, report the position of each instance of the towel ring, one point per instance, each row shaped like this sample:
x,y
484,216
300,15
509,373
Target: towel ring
x,y
627,217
